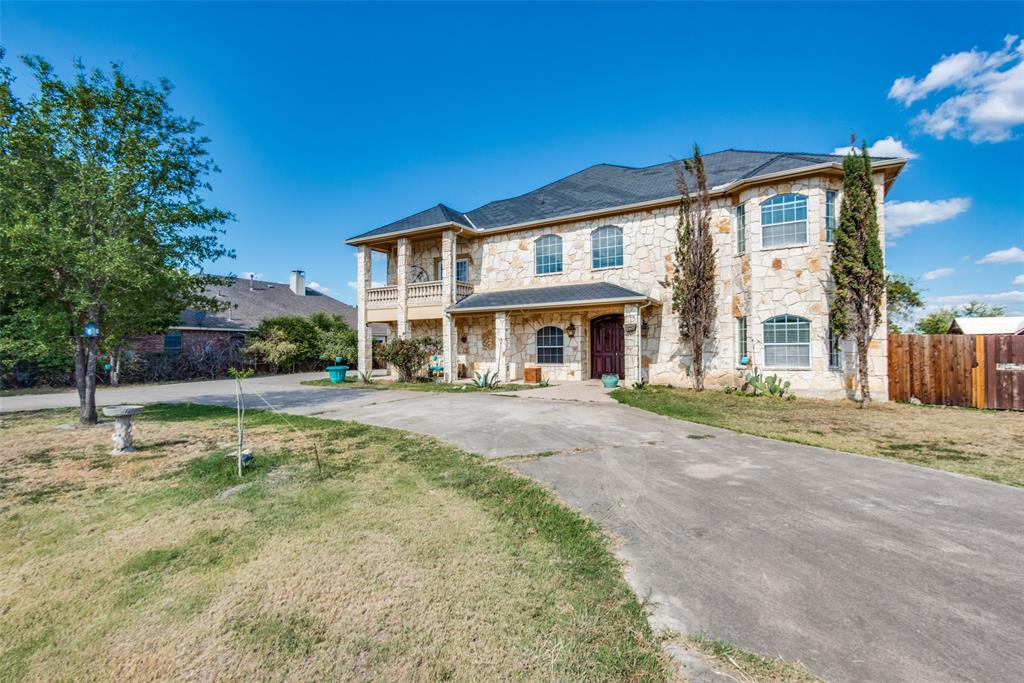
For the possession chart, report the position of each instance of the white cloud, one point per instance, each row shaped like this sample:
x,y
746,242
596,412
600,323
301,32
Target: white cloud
x,y
938,273
1011,255
989,94
1019,280
886,147
901,216
319,287
1012,301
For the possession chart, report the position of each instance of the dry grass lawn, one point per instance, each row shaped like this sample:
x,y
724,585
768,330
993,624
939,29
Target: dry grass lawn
x,y
404,560
981,443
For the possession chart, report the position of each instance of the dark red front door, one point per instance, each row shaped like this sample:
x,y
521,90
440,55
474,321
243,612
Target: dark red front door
x,y
607,346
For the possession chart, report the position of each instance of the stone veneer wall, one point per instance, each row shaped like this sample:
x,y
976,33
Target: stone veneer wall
x,y
760,284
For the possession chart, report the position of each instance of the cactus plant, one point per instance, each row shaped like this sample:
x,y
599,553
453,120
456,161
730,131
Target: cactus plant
x,y
772,385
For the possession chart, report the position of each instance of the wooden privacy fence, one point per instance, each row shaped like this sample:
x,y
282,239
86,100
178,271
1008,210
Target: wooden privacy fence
x,y
973,371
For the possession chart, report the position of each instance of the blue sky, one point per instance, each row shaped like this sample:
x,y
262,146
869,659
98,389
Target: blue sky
x,y
329,119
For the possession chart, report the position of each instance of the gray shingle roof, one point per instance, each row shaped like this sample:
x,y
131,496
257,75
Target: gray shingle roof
x,y
606,186
265,300
546,296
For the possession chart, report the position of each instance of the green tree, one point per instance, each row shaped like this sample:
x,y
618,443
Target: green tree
x,y
977,309
274,347
936,322
902,298
858,270
102,214
692,276
408,354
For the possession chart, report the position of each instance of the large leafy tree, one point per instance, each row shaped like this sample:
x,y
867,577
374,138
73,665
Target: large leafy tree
x,y
692,276
858,271
102,213
938,322
902,298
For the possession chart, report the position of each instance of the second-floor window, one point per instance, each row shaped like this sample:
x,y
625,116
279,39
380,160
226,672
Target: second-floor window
x,y
547,254
830,215
461,270
741,229
784,220
606,247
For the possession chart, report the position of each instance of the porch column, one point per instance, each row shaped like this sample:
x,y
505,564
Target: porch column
x,y
402,280
631,351
449,339
501,342
363,275
448,327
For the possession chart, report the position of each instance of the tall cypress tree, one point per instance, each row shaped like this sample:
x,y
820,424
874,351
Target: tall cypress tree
x,y
692,274
858,271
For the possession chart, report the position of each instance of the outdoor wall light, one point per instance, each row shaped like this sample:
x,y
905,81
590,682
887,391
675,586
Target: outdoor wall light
x,y
570,330
644,328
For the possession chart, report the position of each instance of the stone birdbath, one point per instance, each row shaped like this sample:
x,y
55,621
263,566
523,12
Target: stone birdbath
x,y
122,427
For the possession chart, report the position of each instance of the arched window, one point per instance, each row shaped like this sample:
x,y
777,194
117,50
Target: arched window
x,y
549,345
606,247
547,254
784,220
787,342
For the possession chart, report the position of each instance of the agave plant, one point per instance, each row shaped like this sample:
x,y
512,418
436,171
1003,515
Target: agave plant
x,y
487,380
365,377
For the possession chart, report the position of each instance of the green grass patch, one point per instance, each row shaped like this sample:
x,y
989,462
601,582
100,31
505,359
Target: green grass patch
x,y
403,559
748,666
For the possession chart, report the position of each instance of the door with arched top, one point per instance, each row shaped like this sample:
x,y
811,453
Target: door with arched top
x,y
607,346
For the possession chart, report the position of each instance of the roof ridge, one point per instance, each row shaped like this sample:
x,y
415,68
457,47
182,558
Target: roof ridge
x,y
546,185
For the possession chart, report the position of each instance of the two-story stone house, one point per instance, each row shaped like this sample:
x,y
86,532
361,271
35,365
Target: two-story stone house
x,y
568,277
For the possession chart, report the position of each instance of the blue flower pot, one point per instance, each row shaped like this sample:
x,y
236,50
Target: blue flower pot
x,y
337,373
610,380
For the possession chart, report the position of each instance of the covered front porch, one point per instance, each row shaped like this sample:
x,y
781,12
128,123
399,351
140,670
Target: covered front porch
x,y
568,333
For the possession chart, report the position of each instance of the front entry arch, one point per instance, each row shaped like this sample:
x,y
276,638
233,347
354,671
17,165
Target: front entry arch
x,y
607,346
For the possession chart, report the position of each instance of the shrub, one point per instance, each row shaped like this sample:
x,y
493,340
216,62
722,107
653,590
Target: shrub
x,y
310,341
408,354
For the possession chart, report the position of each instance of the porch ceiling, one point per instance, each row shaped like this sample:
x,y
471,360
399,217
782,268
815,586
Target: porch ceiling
x,y
591,293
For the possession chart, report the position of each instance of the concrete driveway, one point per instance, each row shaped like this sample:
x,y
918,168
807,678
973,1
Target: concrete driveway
x,y
864,569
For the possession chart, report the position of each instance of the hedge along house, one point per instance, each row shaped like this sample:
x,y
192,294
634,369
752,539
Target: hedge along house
x,y
568,278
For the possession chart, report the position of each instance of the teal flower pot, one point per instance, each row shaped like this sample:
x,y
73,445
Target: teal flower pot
x,y
337,373
610,380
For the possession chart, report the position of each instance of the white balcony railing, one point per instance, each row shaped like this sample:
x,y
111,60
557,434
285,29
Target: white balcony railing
x,y
418,294
382,297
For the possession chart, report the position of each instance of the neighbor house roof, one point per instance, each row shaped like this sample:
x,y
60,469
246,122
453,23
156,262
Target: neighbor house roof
x,y
248,307
1006,324
548,297
607,186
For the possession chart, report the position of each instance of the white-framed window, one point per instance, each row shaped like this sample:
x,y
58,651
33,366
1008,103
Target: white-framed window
x,y
835,353
461,269
787,342
741,342
741,229
784,220
547,255
550,344
606,247
830,215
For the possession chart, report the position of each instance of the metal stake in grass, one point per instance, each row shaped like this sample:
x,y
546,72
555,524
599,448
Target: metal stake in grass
x,y
239,375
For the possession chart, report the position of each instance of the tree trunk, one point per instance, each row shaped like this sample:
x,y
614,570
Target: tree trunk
x,y
87,400
79,368
863,342
115,366
698,365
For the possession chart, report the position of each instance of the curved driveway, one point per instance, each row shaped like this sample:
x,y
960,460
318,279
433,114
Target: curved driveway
x,y
864,569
